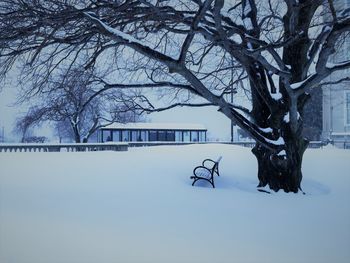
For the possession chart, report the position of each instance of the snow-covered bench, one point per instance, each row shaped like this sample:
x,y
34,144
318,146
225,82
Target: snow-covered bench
x,y
206,171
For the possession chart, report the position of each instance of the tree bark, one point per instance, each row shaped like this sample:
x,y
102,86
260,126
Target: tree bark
x,y
281,170
278,170
76,134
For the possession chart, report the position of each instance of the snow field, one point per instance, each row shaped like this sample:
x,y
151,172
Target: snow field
x,y
139,206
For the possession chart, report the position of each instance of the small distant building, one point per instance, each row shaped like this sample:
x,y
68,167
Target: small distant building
x,y
148,132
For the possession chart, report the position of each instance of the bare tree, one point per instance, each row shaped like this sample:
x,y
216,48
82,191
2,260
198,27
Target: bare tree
x,y
76,101
206,48
24,124
63,130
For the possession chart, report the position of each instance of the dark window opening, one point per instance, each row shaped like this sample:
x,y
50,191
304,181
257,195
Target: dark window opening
x,y
186,136
133,136
162,136
106,136
170,136
194,136
125,136
116,136
153,136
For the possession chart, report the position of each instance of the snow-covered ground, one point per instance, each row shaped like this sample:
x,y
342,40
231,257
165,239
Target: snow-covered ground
x,y
139,206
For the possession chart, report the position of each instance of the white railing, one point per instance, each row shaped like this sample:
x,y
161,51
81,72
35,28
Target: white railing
x,y
63,147
111,146
157,143
249,144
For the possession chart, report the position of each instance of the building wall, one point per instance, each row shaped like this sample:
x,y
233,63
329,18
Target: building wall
x,y
335,114
126,135
334,101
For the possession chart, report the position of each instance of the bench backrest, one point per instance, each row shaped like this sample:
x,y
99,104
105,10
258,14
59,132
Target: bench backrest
x,y
216,166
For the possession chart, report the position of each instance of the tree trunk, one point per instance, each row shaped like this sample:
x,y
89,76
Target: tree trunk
x,y
77,138
281,170
76,134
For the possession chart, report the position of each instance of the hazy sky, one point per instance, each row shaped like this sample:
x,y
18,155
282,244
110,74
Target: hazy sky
x,y
7,113
217,124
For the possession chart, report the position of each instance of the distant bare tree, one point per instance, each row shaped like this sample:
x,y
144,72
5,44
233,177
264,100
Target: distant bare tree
x,y
76,101
200,49
63,130
24,124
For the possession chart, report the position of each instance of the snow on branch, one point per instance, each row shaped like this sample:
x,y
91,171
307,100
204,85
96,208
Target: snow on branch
x,y
328,47
163,84
345,12
259,134
132,42
123,36
314,79
317,44
279,142
338,66
334,82
300,84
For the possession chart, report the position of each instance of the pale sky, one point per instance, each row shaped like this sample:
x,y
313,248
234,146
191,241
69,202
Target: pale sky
x,y
7,113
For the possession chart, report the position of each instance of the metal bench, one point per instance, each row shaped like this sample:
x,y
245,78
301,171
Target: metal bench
x,y
206,171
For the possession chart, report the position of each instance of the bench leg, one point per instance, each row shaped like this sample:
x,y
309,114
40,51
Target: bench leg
x,y
210,181
195,180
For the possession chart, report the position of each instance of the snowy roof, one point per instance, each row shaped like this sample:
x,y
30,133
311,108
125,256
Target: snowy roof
x,y
156,126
